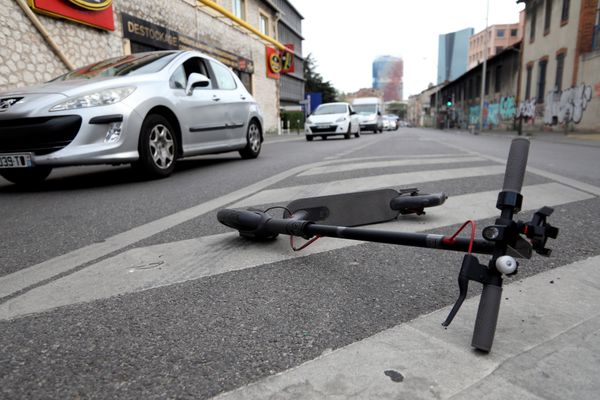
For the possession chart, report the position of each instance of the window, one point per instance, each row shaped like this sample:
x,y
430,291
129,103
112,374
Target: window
x,y
239,8
246,79
560,66
541,83
533,22
528,82
498,79
564,16
178,79
263,24
514,32
548,16
500,33
223,76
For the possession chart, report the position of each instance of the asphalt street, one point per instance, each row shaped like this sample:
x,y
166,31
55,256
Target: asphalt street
x,y
112,287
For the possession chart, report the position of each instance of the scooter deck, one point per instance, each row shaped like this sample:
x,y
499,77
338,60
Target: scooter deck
x,y
348,209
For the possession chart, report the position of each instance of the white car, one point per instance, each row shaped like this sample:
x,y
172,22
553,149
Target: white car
x,y
147,109
331,119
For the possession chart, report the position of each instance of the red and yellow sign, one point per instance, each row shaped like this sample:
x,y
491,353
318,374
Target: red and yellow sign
x,y
273,63
280,62
287,59
96,13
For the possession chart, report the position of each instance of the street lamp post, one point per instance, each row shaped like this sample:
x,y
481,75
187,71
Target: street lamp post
x,y
484,68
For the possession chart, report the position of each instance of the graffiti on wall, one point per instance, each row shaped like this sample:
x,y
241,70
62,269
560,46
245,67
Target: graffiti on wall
x,y
494,113
507,108
566,106
527,109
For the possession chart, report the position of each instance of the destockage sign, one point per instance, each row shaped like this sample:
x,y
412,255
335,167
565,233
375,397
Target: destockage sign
x,y
96,13
145,32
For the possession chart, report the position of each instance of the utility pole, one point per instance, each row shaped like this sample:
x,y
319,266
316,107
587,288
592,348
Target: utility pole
x,y
484,69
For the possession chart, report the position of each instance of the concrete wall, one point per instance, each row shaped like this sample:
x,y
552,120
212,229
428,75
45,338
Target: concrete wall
x,y
26,59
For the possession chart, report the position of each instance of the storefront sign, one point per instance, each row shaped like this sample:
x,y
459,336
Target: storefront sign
x,y
287,60
145,32
98,13
273,63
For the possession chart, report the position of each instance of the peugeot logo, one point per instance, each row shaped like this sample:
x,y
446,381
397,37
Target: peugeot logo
x,y
6,103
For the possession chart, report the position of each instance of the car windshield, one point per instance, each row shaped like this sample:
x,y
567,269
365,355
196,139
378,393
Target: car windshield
x,y
133,64
365,108
331,109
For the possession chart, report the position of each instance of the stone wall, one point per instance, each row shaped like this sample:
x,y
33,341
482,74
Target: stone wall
x,y
26,58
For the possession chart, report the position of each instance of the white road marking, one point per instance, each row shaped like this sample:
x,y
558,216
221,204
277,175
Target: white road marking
x,y
166,264
438,363
387,164
27,277
365,183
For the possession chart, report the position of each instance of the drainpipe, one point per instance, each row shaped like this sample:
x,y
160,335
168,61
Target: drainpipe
x,y
242,23
36,22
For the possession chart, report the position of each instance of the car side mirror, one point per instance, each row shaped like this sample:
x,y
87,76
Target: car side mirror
x,y
196,80
352,112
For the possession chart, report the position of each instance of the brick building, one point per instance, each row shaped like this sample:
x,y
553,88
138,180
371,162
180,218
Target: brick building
x,y
499,38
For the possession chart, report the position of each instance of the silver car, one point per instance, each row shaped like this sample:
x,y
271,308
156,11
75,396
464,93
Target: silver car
x,y
147,109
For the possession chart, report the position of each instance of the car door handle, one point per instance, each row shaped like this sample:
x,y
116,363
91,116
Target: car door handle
x,y
242,97
215,98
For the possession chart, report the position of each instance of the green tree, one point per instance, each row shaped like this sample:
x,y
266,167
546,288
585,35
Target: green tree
x,y
314,81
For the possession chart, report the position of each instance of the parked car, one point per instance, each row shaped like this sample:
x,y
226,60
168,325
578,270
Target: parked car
x,y
332,119
392,122
148,109
386,124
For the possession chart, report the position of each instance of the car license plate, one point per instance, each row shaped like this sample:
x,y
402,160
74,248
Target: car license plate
x,y
15,161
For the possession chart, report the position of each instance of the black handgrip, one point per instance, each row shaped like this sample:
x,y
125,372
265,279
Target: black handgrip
x,y
241,220
418,201
487,317
516,165
259,225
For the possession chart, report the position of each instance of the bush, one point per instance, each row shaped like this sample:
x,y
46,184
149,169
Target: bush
x,y
293,120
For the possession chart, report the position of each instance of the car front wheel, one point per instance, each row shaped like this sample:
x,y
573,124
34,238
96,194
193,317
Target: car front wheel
x,y
26,176
253,141
157,147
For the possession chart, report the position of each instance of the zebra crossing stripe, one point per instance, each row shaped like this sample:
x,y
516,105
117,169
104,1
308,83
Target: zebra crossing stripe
x,y
167,264
286,194
387,164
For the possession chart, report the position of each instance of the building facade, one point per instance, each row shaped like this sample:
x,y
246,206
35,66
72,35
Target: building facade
x,y
459,101
421,107
387,77
560,68
289,31
28,57
453,51
499,37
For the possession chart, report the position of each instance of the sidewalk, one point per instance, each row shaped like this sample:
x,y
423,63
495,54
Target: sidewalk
x,y
587,138
547,346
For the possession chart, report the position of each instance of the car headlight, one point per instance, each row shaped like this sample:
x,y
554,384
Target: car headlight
x,y
340,119
95,99
308,120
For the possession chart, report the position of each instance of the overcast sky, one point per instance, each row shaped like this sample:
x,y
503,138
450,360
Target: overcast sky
x,y
345,36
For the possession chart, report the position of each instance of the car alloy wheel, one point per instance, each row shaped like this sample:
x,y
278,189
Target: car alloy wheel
x,y
162,146
157,147
253,141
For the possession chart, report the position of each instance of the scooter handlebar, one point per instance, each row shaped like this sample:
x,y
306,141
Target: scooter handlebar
x,y
516,165
260,225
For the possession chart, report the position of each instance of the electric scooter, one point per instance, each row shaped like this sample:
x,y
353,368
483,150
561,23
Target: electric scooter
x,y
505,240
